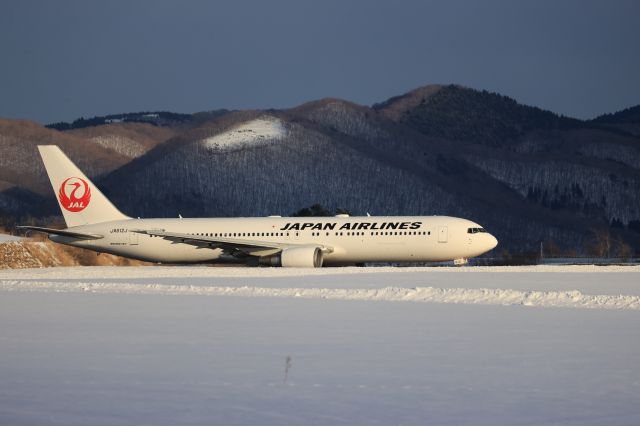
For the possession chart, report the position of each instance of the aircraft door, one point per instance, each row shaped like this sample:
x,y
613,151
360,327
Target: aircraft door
x,y
443,234
133,238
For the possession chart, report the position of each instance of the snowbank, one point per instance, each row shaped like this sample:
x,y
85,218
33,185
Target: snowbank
x,y
4,238
483,296
83,272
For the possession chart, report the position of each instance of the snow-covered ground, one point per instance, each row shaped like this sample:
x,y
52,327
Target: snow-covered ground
x,y
5,238
254,132
199,345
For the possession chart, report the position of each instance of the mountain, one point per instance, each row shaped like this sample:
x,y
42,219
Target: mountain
x,y
557,162
627,120
128,139
460,114
528,175
156,118
24,186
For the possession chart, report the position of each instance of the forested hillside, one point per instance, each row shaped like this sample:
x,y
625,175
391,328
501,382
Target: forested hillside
x,y
528,175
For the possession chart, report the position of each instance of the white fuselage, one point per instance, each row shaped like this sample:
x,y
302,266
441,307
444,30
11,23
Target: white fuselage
x,y
351,239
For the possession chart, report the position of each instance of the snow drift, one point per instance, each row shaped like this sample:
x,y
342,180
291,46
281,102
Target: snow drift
x,y
483,296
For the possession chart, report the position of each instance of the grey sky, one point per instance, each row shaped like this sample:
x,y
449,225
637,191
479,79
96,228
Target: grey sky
x,y
66,59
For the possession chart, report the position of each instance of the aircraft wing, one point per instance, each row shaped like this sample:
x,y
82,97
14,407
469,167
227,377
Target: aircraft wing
x,y
233,245
63,232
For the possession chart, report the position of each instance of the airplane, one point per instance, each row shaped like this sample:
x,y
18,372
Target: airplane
x,y
94,223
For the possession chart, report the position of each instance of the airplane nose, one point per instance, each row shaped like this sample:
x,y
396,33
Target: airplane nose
x,y
493,242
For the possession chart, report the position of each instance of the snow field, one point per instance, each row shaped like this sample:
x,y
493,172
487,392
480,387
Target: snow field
x,y
200,346
251,133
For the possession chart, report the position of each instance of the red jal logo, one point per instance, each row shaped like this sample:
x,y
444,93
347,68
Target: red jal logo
x,y
74,194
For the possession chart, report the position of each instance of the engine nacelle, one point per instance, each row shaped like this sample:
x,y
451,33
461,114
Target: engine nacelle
x,y
295,257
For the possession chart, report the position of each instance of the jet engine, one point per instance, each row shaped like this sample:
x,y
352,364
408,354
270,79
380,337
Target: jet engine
x,y
295,257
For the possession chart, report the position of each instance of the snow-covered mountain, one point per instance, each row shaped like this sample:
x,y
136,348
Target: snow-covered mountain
x,y
529,175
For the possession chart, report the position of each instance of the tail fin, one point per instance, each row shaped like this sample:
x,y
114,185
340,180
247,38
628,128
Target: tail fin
x,y
80,200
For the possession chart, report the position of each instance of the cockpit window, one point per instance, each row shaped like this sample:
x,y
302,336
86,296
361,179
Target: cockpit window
x,y
475,230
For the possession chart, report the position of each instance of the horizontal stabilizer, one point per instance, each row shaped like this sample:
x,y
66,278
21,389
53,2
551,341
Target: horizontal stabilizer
x,y
64,233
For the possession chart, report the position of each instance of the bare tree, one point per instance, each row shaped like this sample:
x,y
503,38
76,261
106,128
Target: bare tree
x,y
623,250
599,245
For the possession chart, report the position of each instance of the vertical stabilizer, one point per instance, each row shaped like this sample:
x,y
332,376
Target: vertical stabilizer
x,y
80,200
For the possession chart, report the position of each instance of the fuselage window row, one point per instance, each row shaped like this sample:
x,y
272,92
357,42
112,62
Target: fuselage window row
x,y
317,234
